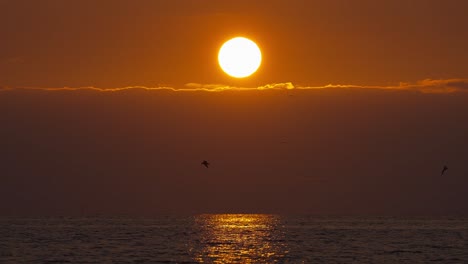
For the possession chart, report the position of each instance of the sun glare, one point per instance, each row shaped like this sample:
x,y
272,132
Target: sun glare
x,y
239,57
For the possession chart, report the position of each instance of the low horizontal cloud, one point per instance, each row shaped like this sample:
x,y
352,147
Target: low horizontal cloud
x,y
449,85
222,87
424,86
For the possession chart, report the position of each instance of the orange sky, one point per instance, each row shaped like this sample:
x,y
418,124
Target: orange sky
x,y
373,142
120,43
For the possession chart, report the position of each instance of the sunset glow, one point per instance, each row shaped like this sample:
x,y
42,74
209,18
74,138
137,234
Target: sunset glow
x,y
239,57
300,107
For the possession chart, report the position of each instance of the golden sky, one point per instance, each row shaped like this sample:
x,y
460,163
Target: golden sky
x,y
121,43
356,108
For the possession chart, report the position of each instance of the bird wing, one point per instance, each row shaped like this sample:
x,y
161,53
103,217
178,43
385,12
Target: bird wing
x,y
443,171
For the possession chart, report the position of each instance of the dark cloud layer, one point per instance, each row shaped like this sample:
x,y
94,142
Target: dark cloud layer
x,y
345,151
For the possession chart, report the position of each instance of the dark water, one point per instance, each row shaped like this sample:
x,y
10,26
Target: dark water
x,y
234,239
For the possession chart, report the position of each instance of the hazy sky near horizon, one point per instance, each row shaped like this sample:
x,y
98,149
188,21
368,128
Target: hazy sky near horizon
x,y
105,107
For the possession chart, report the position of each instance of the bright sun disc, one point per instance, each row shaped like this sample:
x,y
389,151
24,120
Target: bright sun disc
x,y
239,57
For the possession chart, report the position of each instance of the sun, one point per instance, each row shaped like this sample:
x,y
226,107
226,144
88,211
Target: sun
x,y
239,57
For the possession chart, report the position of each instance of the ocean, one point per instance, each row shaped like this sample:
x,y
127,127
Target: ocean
x,y
234,238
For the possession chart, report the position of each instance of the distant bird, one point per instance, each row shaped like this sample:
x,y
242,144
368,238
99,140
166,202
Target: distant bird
x,y
443,170
205,163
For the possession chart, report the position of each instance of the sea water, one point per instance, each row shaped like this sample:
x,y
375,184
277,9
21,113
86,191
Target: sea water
x,y
234,238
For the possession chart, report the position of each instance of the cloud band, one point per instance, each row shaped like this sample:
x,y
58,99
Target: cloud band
x,y
424,86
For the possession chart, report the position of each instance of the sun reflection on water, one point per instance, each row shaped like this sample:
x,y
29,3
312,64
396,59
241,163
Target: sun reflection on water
x,y
239,238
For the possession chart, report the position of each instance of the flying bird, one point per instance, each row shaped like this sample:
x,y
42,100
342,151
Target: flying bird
x,y
443,170
205,163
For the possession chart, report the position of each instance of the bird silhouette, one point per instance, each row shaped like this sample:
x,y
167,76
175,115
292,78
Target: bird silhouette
x,y
443,170
205,163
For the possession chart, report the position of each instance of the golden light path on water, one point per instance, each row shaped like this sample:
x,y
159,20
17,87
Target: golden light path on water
x,y
240,238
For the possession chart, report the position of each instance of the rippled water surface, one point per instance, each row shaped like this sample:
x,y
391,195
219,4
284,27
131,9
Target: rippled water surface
x,y
234,239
